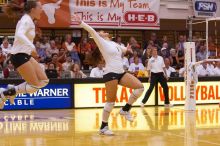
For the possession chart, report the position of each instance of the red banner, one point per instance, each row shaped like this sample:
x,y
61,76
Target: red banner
x,y
121,14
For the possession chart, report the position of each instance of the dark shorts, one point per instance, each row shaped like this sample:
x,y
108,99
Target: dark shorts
x,y
19,59
113,76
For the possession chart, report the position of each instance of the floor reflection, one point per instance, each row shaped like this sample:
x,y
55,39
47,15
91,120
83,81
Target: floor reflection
x,y
153,126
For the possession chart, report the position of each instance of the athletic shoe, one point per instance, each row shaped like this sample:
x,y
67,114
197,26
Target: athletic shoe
x,y
127,115
106,131
168,105
142,105
11,93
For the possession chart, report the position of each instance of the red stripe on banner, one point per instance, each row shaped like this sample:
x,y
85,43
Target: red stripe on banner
x,y
99,24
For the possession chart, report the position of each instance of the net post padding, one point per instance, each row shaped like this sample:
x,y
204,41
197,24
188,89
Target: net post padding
x,y
190,77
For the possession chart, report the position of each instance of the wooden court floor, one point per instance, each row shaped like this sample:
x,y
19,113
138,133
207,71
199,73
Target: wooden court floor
x,y
153,126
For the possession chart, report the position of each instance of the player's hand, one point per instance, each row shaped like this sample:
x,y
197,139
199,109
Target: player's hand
x,y
149,79
77,19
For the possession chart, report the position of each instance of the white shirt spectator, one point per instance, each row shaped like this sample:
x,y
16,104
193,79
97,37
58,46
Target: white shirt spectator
x,y
136,67
45,46
202,72
169,70
50,51
96,73
7,50
216,71
67,65
70,47
125,62
181,72
156,65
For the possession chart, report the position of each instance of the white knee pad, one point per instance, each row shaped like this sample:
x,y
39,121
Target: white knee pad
x,y
109,106
138,92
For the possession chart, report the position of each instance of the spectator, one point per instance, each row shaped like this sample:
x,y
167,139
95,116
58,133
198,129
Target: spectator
x,y
168,68
134,44
40,51
45,43
217,69
180,49
2,58
62,55
6,47
8,69
68,64
212,47
201,55
98,71
58,43
84,52
57,63
51,71
52,49
76,72
147,54
135,54
149,44
156,42
118,40
125,62
136,66
165,40
181,72
174,60
71,47
203,70
165,53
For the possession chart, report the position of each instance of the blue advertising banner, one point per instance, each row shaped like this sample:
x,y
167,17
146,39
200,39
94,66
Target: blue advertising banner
x,y
53,96
205,8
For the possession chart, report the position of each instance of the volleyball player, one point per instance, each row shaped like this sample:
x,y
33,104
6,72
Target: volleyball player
x,y
23,49
114,75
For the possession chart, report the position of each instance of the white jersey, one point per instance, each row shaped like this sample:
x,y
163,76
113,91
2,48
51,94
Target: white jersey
x,y
111,51
24,36
156,65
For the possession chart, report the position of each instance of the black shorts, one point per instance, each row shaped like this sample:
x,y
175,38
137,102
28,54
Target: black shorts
x,y
19,59
113,76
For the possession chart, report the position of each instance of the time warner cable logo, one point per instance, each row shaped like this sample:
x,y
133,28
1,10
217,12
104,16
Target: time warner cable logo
x,y
205,6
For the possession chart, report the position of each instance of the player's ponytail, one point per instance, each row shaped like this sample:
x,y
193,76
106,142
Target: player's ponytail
x,y
15,8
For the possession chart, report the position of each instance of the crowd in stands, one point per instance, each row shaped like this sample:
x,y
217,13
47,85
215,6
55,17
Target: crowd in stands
x,y
63,58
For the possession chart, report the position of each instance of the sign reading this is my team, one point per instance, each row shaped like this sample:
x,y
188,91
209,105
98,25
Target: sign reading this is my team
x,y
53,96
122,14
205,8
